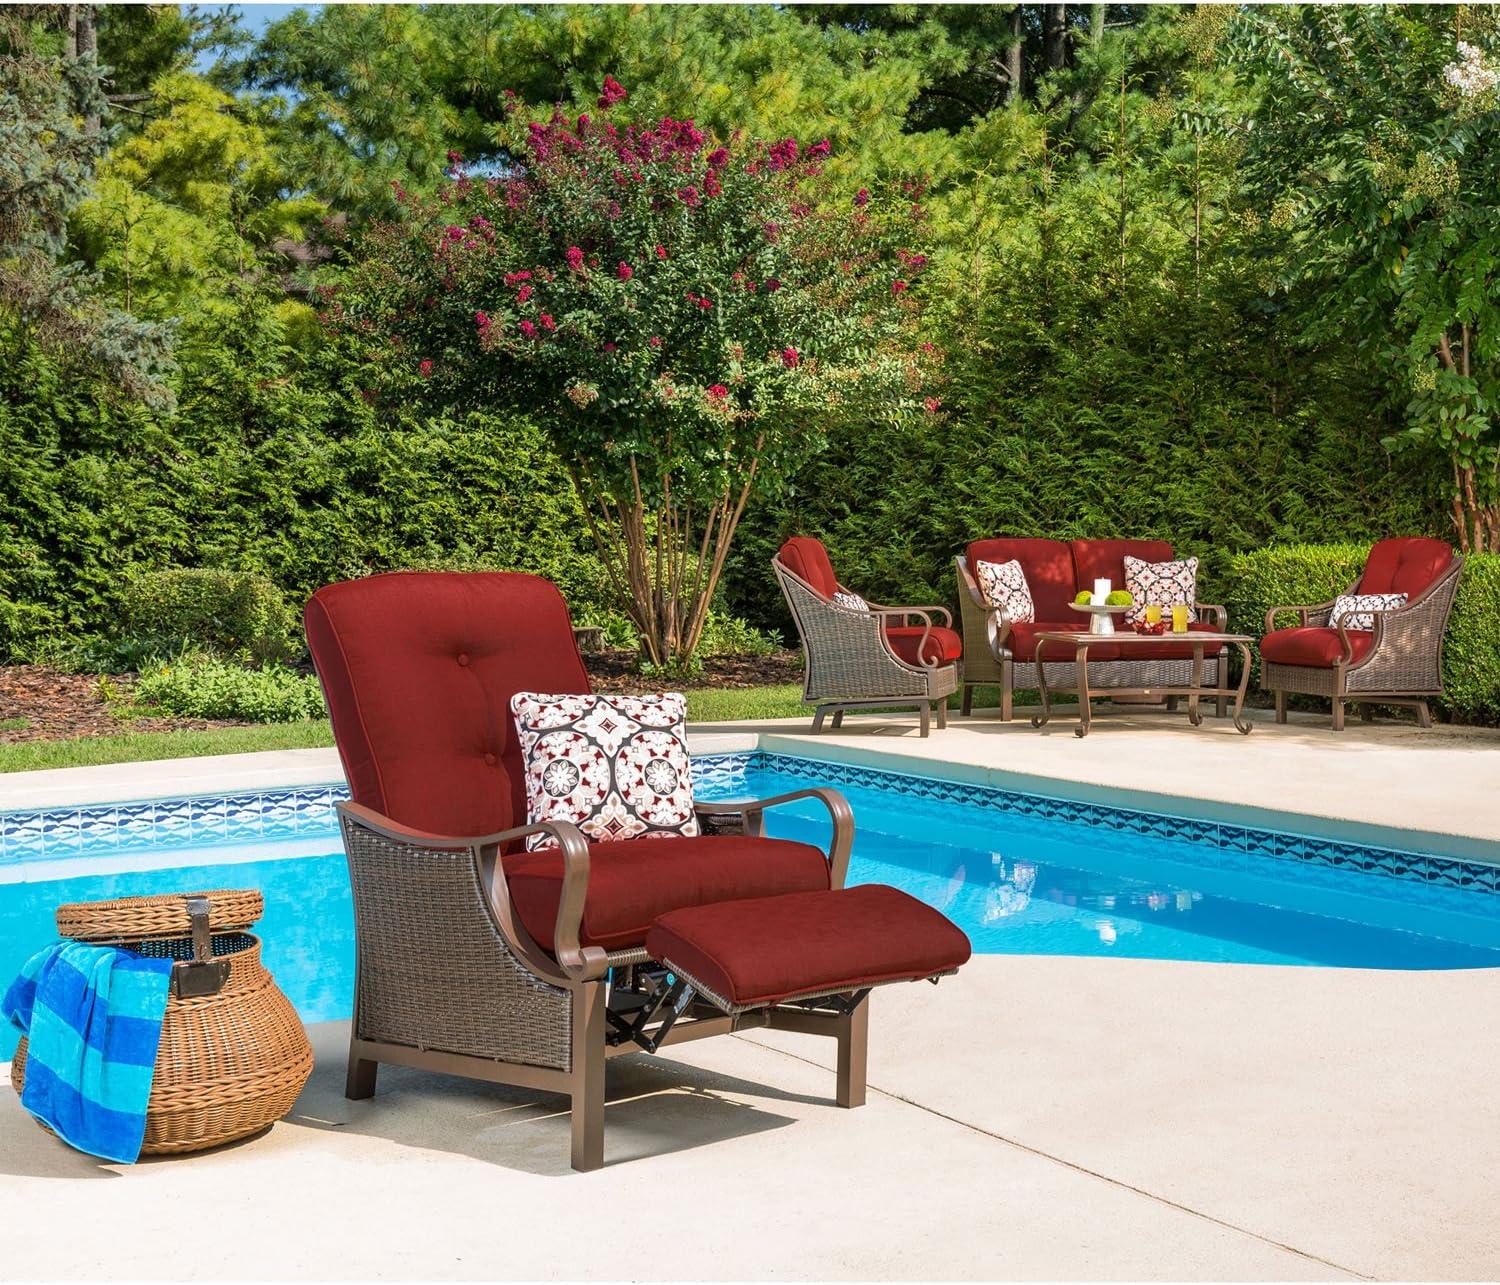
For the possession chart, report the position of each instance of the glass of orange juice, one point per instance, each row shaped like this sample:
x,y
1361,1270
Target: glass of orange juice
x,y
1179,619
1153,613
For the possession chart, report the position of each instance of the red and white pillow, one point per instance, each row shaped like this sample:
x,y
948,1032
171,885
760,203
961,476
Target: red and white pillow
x,y
1161,584
848,598
1003,585
1357,610
615,766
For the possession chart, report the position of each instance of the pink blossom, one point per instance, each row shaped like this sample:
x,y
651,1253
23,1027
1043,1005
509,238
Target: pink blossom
x,y
689,196
523,294
705,304
609,347
661,252
425,366
624,271
789,358
783,153
718,158
862,197
819,149
711,185
932,404
575,259
547,322
656,341
772,231
612,92
511,278
897,286
718,392
455,158
583,122
527,329
453,233
773,283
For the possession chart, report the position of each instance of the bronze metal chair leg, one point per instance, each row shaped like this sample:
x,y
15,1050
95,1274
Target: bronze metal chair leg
x,y
838,719
924,711
1366,712
1338,713
359,1081
818,714
942,713
1424,715
1281,707
853,1046
967,707
588,1077
1007,691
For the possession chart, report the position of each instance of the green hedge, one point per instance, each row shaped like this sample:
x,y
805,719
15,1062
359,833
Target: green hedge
x,y
234,613
208,687
1305,573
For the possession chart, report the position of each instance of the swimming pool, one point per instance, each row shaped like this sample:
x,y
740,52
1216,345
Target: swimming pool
x,y
1022,874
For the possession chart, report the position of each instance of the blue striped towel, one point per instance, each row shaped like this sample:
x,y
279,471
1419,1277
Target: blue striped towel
x,y
92,1016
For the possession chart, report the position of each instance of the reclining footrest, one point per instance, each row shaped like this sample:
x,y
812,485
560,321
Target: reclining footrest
x,y
762,951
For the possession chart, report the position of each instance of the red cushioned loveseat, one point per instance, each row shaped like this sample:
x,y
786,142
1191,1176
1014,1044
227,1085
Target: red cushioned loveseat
x,y
476,957
1398,661
1004,652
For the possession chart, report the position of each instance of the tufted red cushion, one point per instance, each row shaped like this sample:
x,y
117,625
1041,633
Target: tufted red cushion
x,y
943,645
1313,645
1406,565
418,669
1022,641
631,883
1099,559
1168,649
805,556
1048,565
759,952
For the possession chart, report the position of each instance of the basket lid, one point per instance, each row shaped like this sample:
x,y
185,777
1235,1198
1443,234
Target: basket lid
x,y
143,918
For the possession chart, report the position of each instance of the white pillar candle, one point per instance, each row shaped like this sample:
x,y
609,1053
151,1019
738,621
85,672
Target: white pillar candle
x,y
1101,592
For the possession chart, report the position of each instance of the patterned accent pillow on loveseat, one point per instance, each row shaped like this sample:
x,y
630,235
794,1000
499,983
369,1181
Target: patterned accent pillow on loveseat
x,y
1003,585
1357,610
615,766
1161,584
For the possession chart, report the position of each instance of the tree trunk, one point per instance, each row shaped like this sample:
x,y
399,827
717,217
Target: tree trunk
x,y
1096,23
1055,35
83,45
1013,52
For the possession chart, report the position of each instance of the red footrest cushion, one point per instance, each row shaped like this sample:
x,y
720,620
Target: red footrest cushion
x,y
766,949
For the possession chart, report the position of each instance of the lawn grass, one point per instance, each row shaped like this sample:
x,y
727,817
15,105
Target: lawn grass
x,y
737,704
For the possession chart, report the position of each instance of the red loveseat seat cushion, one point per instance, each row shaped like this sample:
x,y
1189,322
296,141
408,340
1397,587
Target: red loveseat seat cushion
x,y
1407,564
759,952
1313,645
943,645
633,881
1048,565
804,556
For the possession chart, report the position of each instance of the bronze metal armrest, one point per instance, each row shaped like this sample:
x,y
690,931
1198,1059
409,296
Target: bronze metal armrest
x,y
1212,612
582,963
926,611
1302,613
838,810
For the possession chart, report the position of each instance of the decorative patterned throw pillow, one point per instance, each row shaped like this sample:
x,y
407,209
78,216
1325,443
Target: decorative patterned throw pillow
x,y
1003,585
1163,584
1357,610
853,601
616,766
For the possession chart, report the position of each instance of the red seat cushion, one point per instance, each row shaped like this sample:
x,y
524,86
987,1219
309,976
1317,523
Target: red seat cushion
x,y
762,951
1170,649
1105,559
1408,565
943,645
633,881
1048,565
419,669
805,557
1022,642
1313,645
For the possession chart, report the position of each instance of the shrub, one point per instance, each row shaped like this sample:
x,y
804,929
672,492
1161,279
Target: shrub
x,y
200,686
726,635
234,613
1306,573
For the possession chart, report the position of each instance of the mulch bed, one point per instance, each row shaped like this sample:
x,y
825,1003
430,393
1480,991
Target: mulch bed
x,y
57,706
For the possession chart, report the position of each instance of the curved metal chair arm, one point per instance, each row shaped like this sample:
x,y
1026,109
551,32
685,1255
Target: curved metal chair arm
x,y
838,810
1213,613
1304,613
926,611
581,963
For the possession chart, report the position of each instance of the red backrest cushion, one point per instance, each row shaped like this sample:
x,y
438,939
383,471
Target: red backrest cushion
x,y
805,556
418,669
1407,564
1105,559
1049,572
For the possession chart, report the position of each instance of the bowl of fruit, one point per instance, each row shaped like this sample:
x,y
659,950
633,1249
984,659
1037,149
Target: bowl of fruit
x,y
1101,614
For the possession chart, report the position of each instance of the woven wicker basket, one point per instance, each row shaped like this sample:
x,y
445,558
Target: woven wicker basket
x,y
233,1055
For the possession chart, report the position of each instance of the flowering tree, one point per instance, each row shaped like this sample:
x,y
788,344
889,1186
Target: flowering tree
x,y
687,316
1378,149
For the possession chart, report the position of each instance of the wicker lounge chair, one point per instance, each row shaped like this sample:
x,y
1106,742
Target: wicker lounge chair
x,y
1399,662
476,957
873,656
1004,653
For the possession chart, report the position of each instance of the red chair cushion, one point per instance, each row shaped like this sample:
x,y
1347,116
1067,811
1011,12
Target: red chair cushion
x,y
805,556
1048,565
1022,642
759,952
418,669
1100,559
1313,645
1408,565
633,881
943,645
1167,649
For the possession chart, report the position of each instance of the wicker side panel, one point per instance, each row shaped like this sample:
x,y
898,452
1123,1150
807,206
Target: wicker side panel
x,y
980,662
845,651
1307,680
434,970
1408,655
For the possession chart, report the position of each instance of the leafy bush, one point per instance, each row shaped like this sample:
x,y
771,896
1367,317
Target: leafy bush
x,y
727,635
1289,575
233,613
200,686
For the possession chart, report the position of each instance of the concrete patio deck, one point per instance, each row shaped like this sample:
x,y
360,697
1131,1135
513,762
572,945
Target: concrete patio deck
x,y
1032,1118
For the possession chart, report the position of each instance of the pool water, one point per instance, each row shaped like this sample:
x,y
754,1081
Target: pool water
x,y
1015,884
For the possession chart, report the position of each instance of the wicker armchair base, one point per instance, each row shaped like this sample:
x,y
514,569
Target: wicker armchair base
x,y
1335,684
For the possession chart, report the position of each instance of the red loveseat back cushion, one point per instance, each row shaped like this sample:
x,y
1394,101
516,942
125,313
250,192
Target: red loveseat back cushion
x,y
418,669
1406,565
1105,559
1314,645
1048,565
805,556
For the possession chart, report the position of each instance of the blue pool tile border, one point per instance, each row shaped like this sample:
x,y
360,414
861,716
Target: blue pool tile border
x,y
215,820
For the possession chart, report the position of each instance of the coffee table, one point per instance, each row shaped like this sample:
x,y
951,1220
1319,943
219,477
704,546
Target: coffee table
x,y
1082,642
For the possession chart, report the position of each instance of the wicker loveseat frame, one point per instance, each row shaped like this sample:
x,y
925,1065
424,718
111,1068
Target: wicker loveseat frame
x,y
452,975
851,660
988,658
1403,662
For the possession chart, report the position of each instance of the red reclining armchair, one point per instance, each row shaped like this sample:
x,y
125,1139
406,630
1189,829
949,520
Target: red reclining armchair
x,y
860,654
476,957
1397,662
